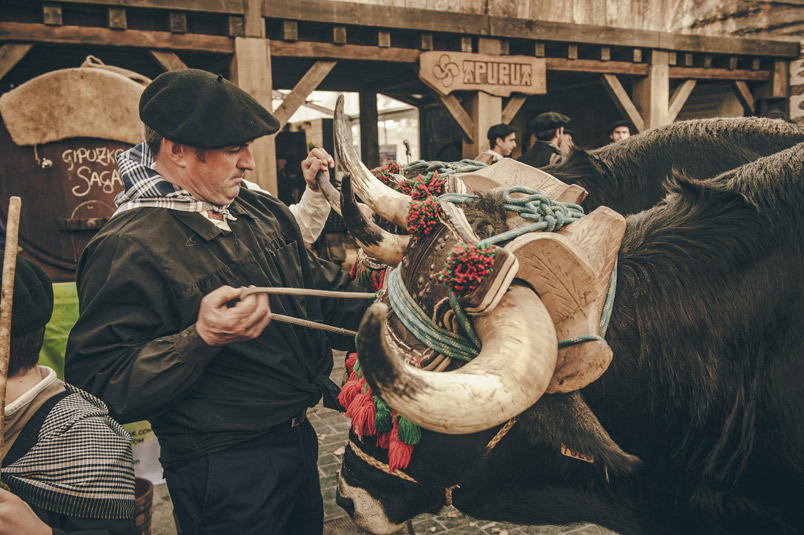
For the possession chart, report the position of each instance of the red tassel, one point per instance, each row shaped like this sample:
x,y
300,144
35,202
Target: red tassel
x,y
349,391
363,419
382,440
350,362
398,452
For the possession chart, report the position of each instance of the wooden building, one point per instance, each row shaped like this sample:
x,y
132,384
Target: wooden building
x,y
595,60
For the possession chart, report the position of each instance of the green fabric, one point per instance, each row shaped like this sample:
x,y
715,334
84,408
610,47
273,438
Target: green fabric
x,y
65,314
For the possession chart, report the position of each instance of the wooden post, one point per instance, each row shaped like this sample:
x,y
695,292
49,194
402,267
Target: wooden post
x,y
485,109
369,130
11,54
251,71
680,96
6,301
652,93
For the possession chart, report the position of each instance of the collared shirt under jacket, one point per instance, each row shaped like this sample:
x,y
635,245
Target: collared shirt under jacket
x,y
140,283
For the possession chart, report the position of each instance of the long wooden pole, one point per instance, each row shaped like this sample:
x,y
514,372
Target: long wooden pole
x,y
6,301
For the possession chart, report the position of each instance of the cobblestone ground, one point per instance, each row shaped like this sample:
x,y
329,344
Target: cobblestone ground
x,y
332,428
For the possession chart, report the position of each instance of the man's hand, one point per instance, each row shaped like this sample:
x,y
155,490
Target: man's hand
x,y
17,517
218,324
317,160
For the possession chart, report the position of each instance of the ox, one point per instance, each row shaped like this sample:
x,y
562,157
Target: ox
x,y
629,176
693,427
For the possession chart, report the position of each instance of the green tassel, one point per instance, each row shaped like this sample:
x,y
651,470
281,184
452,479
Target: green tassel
x,y
356,367
382,422
409,433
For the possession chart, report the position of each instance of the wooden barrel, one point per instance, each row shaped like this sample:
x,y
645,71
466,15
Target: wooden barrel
x,y
144,494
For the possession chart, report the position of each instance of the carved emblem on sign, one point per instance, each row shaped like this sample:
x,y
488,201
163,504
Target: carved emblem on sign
x,y
446,72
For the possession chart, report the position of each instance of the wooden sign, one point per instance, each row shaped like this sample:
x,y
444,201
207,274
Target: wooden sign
x,y
446,72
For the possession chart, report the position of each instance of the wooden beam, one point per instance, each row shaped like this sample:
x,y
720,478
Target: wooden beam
x,y
466,44
306,49
205,6
81,35
680,96
251,71
339,35
486,111
745,96
236,26
426,41
538,49
178,21
51,14
512,108
781,77
413,19
456,112
290,30
383,39
605,53
595,66
719,74
308,83
253,21
169,61
572,51
117,18
621,99
652,93
11,54
369,129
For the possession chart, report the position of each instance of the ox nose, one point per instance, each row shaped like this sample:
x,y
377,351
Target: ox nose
x,y
346,504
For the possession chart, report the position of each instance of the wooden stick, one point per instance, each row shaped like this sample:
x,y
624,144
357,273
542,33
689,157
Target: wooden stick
x,y
9,268
306,291
312,324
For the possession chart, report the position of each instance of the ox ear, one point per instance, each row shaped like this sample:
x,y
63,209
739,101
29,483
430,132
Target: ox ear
x,y
567,424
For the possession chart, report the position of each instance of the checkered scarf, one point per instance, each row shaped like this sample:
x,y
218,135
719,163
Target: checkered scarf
x,y
81,464
144,187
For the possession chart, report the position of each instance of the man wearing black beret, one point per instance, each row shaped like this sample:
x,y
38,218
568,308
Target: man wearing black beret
x,y
53,490
619,131
548,128
162,334
502,142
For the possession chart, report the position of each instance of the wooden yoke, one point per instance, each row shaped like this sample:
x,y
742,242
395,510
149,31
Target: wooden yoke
x,y
569,269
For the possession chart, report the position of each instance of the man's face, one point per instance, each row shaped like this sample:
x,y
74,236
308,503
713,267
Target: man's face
x,y
620,133
506,145
215,174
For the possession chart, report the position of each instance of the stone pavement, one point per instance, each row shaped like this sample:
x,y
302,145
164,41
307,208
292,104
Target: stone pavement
x,y
332,428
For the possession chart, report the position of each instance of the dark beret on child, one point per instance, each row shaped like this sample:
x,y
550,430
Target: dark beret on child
x,y
32,303
201,109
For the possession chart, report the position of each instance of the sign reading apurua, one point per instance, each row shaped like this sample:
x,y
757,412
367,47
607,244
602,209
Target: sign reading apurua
x,y
446,72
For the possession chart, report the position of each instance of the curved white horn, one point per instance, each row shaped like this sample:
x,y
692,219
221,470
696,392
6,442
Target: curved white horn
x,y
509,375
331,194
387,202
381,244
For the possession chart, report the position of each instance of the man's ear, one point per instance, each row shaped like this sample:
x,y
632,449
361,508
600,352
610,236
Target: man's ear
x,y
176,152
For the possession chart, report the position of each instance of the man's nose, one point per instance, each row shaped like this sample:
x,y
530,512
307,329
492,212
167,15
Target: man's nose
x,y
246,160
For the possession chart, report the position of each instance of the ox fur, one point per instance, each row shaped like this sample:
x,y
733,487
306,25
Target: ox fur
x,y
630,175
696,426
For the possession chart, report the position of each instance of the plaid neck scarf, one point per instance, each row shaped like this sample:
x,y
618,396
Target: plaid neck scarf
x,y
144,187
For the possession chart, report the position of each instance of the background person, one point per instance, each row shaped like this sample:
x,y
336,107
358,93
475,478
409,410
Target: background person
x,y
548,128
163,336
502,142
619,131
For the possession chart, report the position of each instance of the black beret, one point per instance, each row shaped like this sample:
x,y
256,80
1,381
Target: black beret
x,y
32,304
548,121
201,109
500,130
618,124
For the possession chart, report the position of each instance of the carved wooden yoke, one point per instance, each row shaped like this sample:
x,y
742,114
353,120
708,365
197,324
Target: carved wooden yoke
x,y
570,269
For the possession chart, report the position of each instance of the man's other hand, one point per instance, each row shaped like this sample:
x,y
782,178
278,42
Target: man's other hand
x,y
318,159
17,517
219,324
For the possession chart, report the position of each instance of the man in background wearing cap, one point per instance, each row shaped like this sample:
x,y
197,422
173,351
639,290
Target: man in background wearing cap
x,y
548,128
619,131
63,454
162,334
502,142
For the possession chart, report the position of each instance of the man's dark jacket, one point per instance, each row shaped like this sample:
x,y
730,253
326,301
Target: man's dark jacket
x,y
539,154
140,283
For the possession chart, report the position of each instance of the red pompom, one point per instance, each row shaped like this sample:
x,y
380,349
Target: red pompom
x,y
398,452
422,217
466,266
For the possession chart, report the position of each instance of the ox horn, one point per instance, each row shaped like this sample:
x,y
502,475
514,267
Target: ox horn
x,y
382,245
331,194
385,201
509,375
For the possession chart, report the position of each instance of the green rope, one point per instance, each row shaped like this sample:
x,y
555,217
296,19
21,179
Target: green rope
x,y
422,327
